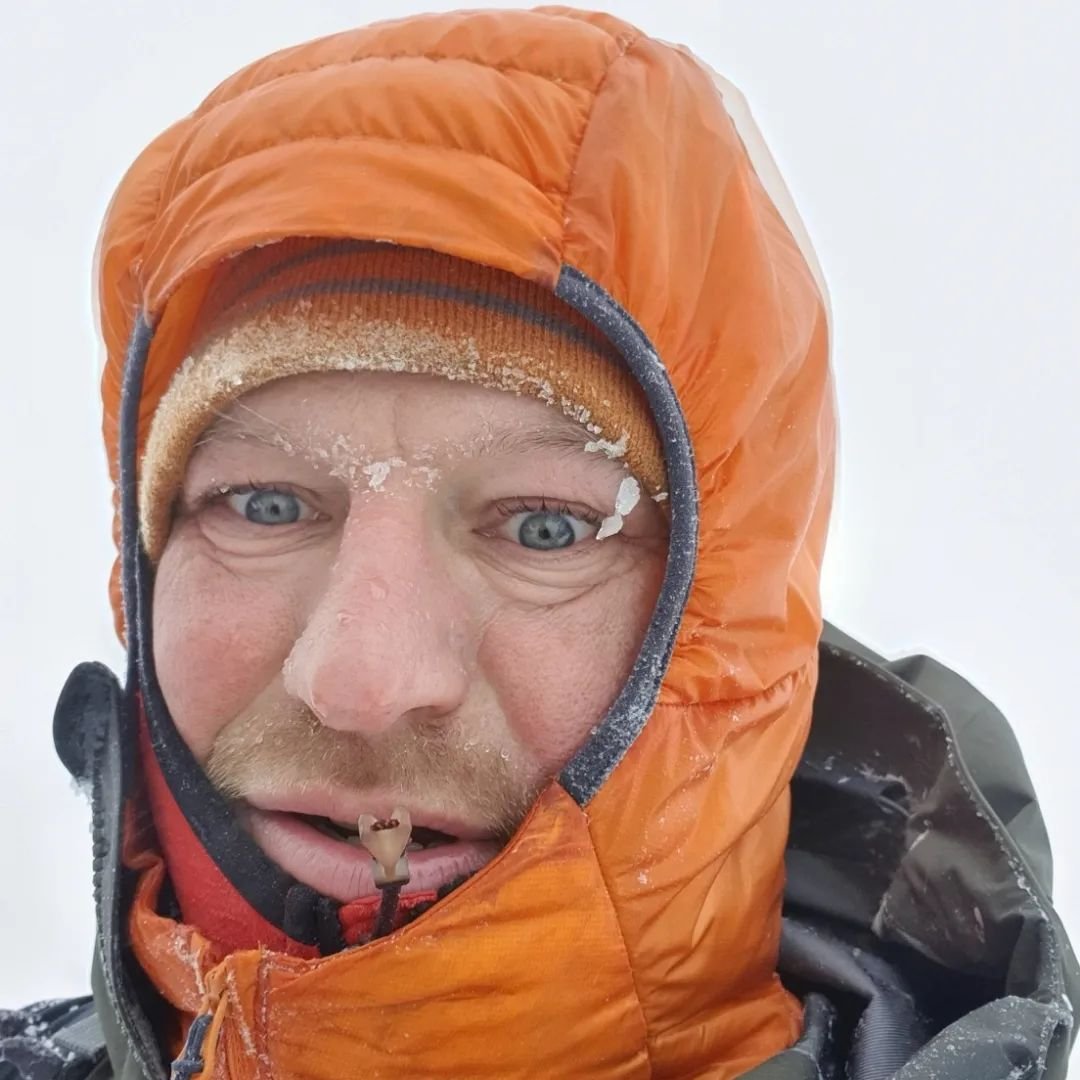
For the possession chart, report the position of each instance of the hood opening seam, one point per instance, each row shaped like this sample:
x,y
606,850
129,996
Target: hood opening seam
x,y
589,768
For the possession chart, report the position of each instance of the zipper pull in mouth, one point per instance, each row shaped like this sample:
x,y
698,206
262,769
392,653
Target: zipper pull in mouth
x,y
385,840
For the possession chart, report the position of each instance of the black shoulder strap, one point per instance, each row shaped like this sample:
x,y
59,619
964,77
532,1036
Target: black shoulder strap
x,y
81,1033
53,1040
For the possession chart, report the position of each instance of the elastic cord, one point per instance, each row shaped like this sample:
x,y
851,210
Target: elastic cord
x,y
388,907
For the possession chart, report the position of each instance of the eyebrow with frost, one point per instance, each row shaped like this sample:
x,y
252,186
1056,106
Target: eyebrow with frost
x,y
562,437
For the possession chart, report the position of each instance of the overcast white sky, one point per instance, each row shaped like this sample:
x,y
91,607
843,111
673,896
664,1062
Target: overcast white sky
x,y
933,150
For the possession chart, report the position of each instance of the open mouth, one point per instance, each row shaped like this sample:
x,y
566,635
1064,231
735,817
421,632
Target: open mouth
x,y
421,839
328,856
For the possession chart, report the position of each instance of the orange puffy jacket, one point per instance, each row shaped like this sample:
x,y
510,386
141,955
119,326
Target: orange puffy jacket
x,y
630,928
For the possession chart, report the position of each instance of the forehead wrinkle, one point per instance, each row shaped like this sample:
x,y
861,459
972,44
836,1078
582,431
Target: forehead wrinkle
x,y
563,437
563,441
518,441
227,427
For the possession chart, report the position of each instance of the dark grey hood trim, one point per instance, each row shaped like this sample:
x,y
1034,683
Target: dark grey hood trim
x,y
586,772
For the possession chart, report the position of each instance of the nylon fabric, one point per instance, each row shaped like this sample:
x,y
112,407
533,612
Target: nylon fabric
x,y
556,145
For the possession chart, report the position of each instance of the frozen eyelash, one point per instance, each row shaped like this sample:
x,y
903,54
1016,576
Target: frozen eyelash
x,y
509,507
223,491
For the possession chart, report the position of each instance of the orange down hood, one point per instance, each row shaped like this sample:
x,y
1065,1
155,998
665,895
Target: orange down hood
x,y
630,929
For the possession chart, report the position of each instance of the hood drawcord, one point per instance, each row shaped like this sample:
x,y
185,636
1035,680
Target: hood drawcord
x,y
388,907
386,840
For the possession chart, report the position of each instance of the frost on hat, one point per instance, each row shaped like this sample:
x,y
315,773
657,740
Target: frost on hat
x,y
313,305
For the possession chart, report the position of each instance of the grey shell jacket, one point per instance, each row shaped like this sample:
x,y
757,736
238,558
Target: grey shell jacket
x,y
918,925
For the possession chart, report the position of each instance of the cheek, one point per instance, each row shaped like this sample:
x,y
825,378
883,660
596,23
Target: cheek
x,y
557,671
219,641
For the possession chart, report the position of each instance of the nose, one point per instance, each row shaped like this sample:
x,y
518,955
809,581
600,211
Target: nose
x,y
387,638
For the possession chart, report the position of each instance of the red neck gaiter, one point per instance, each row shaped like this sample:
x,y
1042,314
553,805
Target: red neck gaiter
x,y
210,902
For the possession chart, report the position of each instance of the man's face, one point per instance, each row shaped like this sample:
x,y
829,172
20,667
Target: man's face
x,y
386,590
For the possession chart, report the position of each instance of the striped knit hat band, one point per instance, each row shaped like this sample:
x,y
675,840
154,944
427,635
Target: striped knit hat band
x,y
313,305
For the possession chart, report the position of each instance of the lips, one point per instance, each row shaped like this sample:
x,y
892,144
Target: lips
x,y
330,864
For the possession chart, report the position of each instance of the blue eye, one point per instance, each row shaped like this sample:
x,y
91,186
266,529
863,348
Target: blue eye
x,y
545,530
265,506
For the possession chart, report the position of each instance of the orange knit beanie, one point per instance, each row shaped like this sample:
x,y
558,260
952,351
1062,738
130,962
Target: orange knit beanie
x,y
307,305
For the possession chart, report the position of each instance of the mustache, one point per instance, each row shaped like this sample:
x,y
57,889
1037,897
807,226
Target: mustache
x,y
431,762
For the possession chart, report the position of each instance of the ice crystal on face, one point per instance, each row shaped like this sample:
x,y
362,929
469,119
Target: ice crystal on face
x,y
628,495
626,499
609,526
611,449
423,476
378,471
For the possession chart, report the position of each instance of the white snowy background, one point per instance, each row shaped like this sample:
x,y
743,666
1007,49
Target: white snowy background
x,y
933,151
